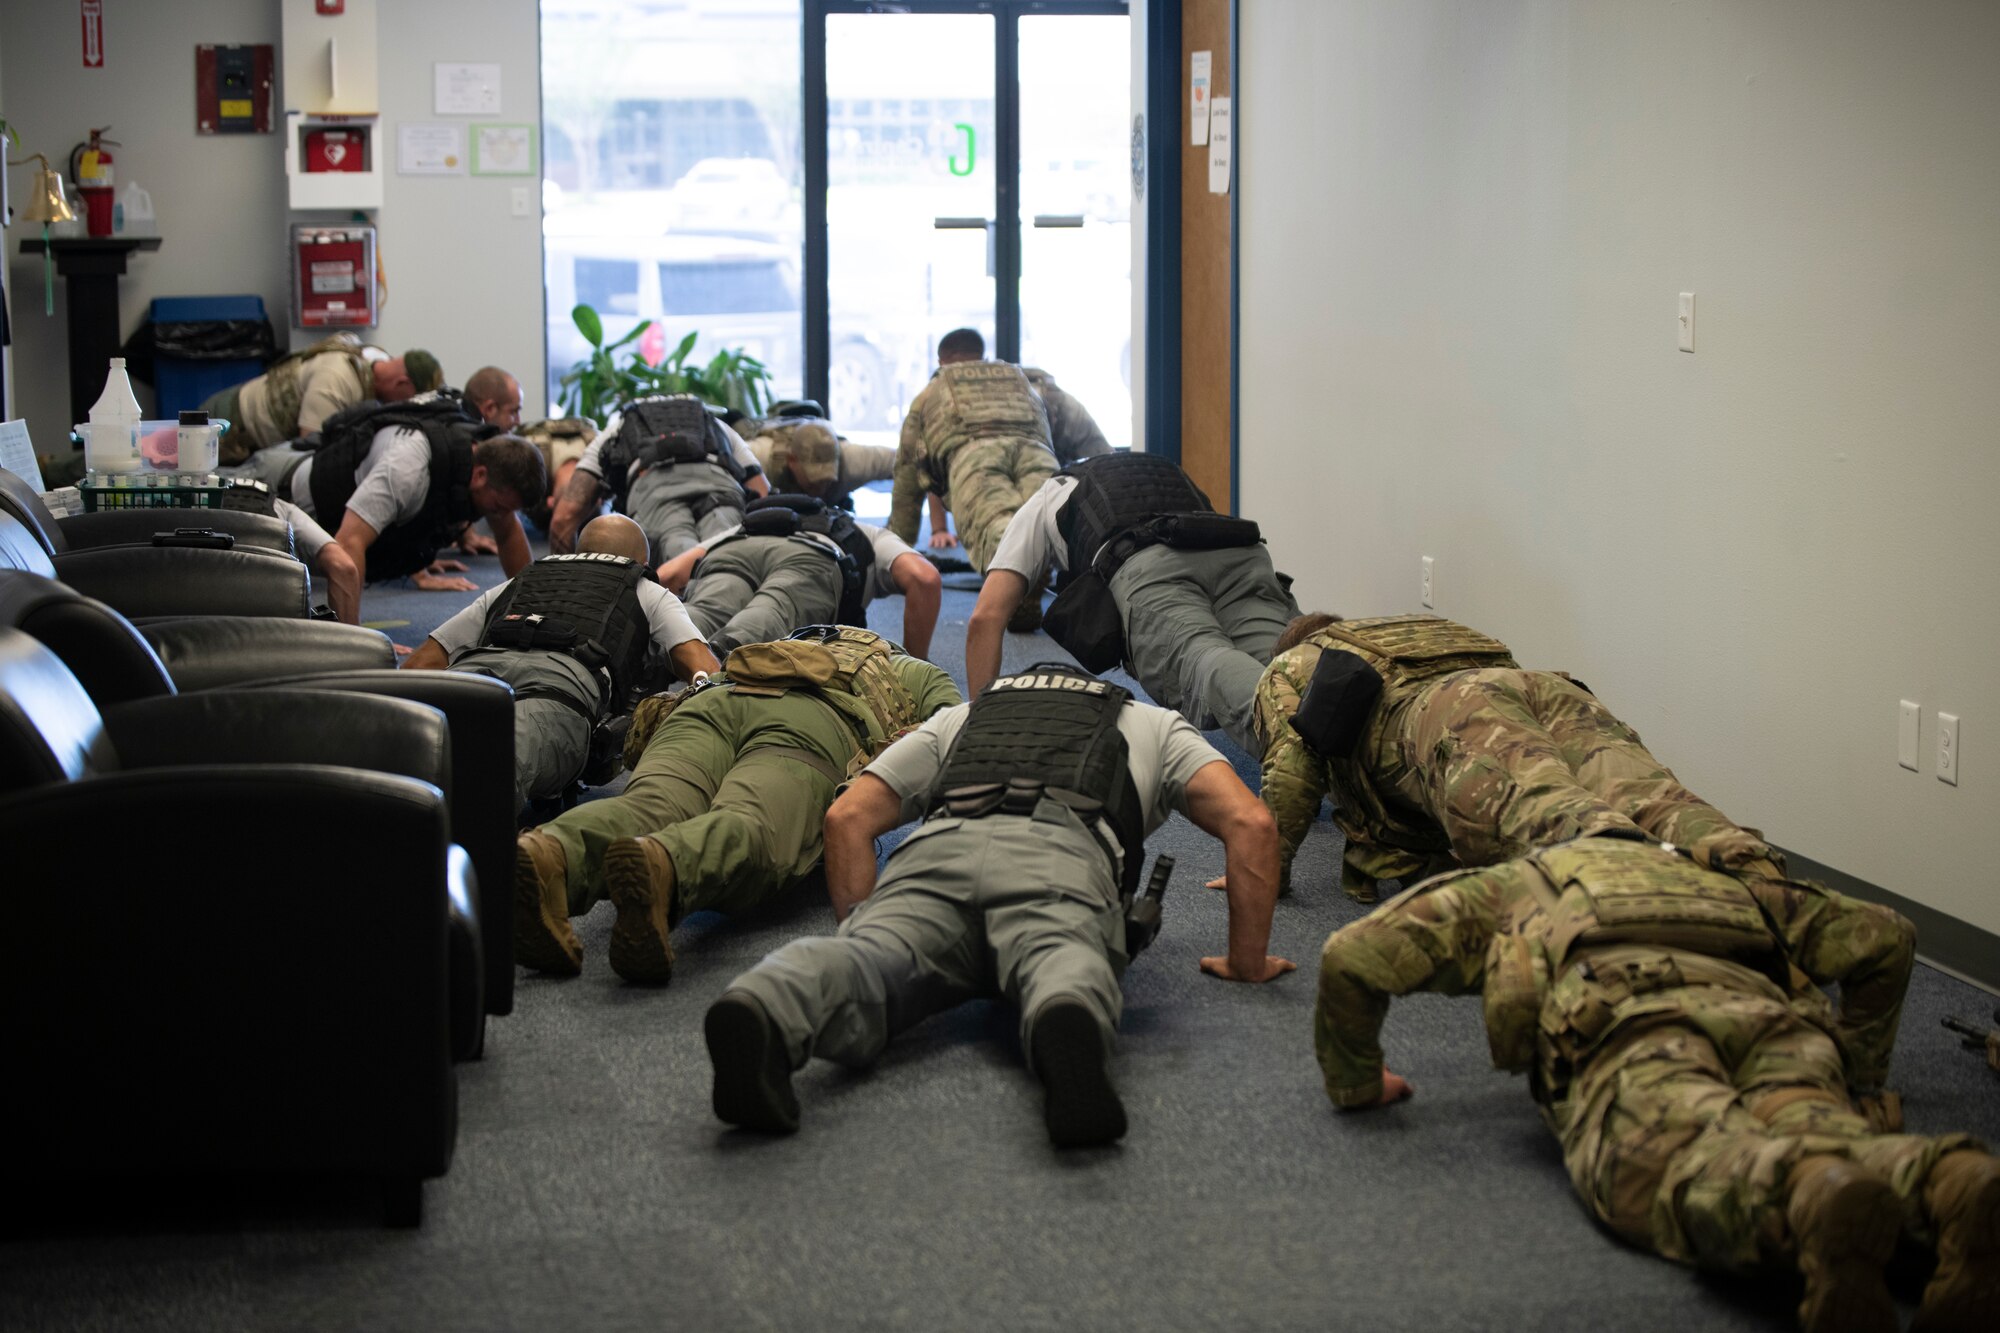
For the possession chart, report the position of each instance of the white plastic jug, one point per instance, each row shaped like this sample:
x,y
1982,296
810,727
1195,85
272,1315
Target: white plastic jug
x,y
132,215
113,443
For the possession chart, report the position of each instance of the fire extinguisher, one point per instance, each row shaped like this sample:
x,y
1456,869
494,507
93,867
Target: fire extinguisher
x,y
90,168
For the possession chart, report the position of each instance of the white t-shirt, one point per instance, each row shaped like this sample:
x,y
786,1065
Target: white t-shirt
x,y
1165,754
592,460
391,483
887,545
667,621
1033,542
307,535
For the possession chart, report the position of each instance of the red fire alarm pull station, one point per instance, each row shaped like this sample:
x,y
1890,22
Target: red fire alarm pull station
x,y
331,7
333,276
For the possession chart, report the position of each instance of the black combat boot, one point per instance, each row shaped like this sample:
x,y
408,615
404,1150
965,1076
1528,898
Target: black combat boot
x,y
1071,1056
753,1071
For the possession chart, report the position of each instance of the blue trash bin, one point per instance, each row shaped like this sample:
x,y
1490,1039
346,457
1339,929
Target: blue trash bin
x,y
182,383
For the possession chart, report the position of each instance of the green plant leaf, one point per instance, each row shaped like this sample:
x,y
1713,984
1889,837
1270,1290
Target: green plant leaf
x,y
588,324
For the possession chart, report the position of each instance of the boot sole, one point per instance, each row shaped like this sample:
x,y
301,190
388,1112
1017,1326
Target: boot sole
x,y
1968,1301
540,943
1072,1059
1852,1295
640,950
753,1082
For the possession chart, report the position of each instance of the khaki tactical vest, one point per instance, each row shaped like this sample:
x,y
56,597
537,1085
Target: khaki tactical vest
x,y
850,670
1609,930
282,388
1405,651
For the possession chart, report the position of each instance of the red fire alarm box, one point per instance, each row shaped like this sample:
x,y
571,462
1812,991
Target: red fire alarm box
x,y
333,277
336,150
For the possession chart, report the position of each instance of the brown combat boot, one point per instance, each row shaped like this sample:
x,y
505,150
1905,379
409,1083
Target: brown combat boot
x,y
543,937
1963,1196
639,876
1844,1222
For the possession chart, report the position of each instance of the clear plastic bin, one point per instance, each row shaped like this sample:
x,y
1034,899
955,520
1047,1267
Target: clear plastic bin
x,y
159,445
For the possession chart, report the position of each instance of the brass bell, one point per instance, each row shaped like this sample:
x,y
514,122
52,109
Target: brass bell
x,y
47,204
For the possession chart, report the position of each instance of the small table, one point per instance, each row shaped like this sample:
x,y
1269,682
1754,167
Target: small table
x,y
91,267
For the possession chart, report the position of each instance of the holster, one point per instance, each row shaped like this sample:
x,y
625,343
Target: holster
x,y
1085,620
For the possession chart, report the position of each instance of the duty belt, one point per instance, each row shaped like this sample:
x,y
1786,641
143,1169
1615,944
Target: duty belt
x,y
1020,796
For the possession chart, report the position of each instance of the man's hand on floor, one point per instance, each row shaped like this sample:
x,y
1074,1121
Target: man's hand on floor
x,y
431,581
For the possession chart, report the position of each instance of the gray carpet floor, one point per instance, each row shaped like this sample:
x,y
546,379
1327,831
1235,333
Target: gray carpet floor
x,y
593,1189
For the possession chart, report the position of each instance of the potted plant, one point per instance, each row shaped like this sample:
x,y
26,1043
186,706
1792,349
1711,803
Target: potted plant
x,y
597,385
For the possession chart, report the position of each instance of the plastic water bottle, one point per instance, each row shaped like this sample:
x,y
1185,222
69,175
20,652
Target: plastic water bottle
x,y
113,445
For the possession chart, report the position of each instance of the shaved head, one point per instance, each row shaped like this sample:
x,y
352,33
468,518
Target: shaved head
x,y
613,534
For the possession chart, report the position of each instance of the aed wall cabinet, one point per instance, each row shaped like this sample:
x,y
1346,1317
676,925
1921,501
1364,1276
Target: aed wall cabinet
x,y
333,277
333,161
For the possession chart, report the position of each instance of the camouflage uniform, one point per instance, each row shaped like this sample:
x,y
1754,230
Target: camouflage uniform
x,y
1468,757
562,440
978,435
779,441
1682,1054
1073,432
734,779
293,398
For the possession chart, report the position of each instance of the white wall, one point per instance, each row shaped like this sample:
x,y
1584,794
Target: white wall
x,y
1464,226
464,276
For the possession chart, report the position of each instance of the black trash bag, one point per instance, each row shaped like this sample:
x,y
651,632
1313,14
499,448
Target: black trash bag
x,y
199,340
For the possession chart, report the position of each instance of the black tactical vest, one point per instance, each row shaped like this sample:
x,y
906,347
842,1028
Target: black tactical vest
x,y
585,605
792,515
1118,492
1051,731
346,439
664,431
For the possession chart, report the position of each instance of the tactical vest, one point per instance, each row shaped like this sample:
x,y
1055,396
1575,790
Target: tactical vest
x,y
664,431
1404,651
1117,493
1050,731
584,605
850,670
1607,923
795,515
346,439
283,393
984,400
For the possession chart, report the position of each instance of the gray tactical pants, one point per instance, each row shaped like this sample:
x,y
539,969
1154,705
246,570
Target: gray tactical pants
x,y
664,501
1011,905
1200,627
756,589
551,739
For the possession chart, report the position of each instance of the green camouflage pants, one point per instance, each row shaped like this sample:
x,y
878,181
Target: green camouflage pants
x,y
756,589
990,479
734,787
1682,1134
1018,906
1508,760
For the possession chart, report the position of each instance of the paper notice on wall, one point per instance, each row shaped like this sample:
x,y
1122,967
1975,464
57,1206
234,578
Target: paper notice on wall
x,y
17,453
1220,146
1198,96
466,90
430,148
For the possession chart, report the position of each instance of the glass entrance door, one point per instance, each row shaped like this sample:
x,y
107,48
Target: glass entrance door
x,y
973,175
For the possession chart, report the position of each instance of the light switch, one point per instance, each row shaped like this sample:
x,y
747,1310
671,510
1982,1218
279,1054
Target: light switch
x,y
1687,321
1907,715
521,201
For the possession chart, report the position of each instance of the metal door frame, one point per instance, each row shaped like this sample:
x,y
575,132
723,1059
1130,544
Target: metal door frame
x,y
1007,160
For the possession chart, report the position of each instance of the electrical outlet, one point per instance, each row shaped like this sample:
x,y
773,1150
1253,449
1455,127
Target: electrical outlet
x,y
521,205
1907,715
1430,583
1947,748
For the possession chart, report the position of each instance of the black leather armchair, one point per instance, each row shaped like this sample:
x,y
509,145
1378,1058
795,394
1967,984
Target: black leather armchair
x,y
219,981
115,664
150,581
124,527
